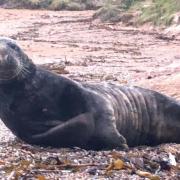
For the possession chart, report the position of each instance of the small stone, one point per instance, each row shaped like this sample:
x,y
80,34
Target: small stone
x,y
92,171
109,77
138,162
149,77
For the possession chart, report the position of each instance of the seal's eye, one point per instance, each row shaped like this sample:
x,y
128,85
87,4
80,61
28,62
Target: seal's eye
x,y
14,46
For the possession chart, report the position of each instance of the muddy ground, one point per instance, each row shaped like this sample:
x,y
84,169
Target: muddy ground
x,y
92,51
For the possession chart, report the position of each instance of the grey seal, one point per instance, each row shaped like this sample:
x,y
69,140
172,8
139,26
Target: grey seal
x,y
47,109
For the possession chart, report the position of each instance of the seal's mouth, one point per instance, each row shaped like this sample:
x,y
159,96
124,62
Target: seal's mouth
x,y
10,73
9,69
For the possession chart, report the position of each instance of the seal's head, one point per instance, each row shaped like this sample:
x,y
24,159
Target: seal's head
x,y
14,63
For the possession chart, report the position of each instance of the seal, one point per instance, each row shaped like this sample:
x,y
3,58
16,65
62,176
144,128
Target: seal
x,y
47,109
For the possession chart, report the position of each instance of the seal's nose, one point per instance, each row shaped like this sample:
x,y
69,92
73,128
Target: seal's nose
x,y
1,59
3,53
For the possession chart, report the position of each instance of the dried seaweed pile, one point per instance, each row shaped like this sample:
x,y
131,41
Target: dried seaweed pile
x,y
19,160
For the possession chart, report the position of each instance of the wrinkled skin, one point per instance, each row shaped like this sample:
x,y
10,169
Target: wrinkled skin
x,y
46,109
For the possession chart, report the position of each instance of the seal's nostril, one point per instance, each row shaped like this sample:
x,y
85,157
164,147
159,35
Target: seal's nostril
x,y
3,56
1,59
3,53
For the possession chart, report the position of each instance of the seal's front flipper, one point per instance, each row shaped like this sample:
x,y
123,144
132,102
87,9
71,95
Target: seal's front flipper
x,y
107,136
115,140
74,132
